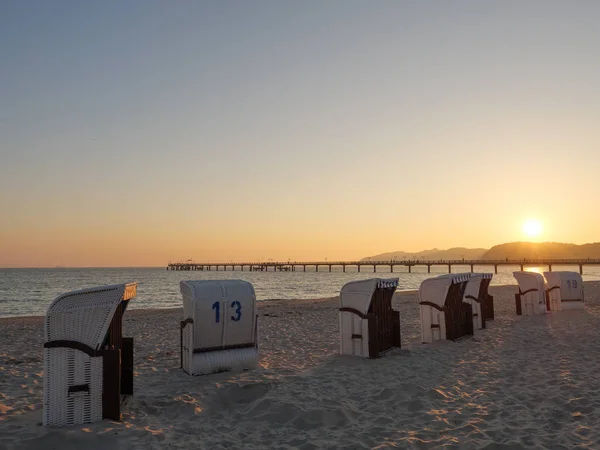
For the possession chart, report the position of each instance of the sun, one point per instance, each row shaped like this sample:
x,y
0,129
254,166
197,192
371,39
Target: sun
x,y
532,228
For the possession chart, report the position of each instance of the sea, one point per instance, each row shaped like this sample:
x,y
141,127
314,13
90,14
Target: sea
x,y
29,292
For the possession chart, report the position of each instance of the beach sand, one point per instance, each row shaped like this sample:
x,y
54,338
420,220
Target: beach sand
x,y
524,382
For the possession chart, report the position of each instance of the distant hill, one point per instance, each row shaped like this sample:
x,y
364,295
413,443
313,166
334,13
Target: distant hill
x,y
434,254
511,250
543,250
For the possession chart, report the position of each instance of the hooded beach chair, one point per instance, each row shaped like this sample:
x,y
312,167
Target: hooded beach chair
x,y
219,330
368,324
564,290
485,299
444,315
474,297
531,298
88,364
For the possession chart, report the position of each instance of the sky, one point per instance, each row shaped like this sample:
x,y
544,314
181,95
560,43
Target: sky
x,y
141,132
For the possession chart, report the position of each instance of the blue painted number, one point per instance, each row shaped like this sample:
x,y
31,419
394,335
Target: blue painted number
x,y
238,311
217,307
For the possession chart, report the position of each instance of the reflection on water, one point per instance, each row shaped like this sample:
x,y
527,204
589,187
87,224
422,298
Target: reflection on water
x,y
26,292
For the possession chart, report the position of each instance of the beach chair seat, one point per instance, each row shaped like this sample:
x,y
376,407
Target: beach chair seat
x,y
444,315
219,330
369,326
531,298
564,290
88,364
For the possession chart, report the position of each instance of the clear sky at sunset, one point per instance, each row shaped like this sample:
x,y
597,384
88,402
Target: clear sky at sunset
x,y
138,132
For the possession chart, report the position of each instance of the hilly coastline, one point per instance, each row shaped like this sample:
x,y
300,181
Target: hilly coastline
x,y
543,250
511,250
433,254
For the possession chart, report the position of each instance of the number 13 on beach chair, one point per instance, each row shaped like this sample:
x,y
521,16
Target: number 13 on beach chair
x,y
219,330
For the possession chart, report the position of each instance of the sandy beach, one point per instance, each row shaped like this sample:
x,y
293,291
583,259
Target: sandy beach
x,y
524,382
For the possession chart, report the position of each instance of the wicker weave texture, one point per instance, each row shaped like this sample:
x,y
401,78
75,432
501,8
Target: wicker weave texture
x,y
64,368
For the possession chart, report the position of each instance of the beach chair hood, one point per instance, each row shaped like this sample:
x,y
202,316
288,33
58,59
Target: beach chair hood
x,y
357,294
472,289
529,280
85,315
435,290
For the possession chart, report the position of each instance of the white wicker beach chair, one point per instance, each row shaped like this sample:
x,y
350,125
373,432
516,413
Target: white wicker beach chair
x,y
531,298
368,324
564,290
219,330
444,315
473,296
485,299
88,364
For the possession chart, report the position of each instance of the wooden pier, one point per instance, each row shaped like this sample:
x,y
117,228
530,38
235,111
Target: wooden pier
x,y
276,266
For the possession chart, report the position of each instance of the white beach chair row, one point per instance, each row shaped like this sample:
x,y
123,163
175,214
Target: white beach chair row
x,y
558,292
88,364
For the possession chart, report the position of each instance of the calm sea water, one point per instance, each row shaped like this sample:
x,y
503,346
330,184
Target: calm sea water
x,y
28,292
